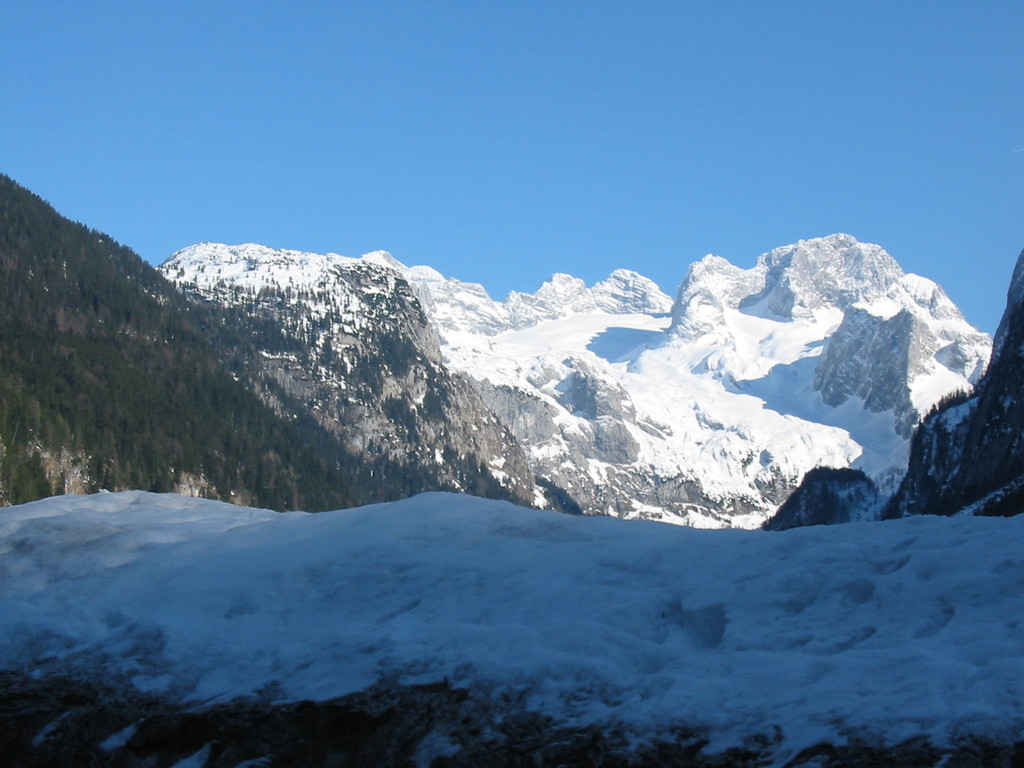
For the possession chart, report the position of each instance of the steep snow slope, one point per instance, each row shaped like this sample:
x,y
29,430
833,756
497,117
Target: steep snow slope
x,y
880,632
824,354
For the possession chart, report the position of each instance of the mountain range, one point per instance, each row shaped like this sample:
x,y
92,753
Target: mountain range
x,y
704,410
293,379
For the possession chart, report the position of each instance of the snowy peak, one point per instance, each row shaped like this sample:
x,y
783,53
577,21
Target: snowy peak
x,y
828,330
232,262
797,296
711,285
793,282
833,271
623,292
461,307
252,266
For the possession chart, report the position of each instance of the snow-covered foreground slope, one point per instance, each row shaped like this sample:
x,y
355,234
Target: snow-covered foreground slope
x,y
880,631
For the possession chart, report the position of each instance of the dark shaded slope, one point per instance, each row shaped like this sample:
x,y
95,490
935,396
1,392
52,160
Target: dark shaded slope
x,y
827,496
970,453
110,379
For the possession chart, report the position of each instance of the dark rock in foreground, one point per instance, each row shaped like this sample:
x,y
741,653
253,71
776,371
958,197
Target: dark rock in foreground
x,y
61,721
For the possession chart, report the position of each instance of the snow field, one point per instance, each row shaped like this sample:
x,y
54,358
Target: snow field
x,y
889,630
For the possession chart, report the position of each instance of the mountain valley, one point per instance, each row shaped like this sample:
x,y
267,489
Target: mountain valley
x,y
442,629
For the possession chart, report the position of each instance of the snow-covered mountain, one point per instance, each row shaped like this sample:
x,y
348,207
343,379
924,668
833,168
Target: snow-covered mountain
x,y
825,353
347,338
455,306
705,410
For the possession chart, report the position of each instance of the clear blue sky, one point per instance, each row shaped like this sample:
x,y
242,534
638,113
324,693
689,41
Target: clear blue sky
x,y
502,141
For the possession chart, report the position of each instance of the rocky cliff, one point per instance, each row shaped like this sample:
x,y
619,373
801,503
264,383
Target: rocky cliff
x,y
969,454
348,338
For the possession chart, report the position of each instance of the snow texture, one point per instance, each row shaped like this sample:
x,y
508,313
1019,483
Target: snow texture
x,y
884,631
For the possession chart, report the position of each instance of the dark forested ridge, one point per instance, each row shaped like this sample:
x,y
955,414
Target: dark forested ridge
x,y
110,379
969,454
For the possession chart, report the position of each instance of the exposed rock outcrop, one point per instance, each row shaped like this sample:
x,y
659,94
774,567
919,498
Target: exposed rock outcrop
x,y
828,496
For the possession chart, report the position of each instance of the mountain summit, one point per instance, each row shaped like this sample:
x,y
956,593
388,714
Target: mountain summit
x,y
895,341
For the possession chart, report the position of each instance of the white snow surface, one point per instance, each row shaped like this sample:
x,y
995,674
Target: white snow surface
x,y
886,630
251,265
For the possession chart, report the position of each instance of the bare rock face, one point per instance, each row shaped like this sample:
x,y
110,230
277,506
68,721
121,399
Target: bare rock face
x,y
348,338
873,358
969,454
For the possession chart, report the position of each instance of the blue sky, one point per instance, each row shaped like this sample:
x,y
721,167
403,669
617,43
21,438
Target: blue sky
x,y
501,142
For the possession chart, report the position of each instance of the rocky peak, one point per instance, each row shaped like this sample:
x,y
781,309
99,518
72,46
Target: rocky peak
x,y
457,306
834,271
384,258
349,338
710,285
836,328
793,282
550,301
628,292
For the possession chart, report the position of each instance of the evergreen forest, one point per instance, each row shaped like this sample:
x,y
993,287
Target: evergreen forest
x,y
110,379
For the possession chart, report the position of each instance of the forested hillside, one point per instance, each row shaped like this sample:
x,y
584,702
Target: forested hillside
x,y
109,379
